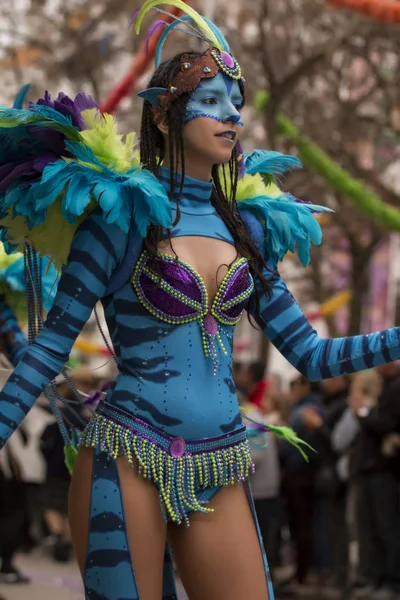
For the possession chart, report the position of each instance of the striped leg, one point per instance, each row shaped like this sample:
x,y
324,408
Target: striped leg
x,y
109,574
108,571
267,571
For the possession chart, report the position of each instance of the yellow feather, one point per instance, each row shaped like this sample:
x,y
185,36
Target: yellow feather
x,y
52,238
109,146
251,186
7,259
201,24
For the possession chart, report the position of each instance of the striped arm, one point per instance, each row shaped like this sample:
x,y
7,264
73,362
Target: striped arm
x,y
284,323
96,250
12,340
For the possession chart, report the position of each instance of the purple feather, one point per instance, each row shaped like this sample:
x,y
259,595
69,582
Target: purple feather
x,y
5,169
258,427
53,140
85,102
93,400
23,170
156,25
133,17
69,108
242,162
44,159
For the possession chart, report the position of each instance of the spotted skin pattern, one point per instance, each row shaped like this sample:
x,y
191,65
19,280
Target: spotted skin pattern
x,y
164,377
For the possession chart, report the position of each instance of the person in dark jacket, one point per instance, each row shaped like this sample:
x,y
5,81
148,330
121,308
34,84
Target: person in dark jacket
x,y
332,490
375,461
299,477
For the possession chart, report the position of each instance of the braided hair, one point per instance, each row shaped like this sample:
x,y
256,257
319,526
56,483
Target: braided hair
x,y
152,153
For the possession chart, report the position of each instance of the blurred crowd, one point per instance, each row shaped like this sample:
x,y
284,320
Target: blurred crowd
x,y
34,480
336,518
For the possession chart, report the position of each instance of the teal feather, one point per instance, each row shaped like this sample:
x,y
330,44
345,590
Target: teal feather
x,y
40,116
21,96
136,192
77,179
218,34
14,277
270,164
288,225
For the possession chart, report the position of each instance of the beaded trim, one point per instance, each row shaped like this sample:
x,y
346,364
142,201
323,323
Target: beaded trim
x,y
202,312
219,306
222,58
194,114
179,468
200,309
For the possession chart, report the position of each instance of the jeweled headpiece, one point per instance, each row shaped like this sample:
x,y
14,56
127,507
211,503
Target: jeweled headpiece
x,y
194,68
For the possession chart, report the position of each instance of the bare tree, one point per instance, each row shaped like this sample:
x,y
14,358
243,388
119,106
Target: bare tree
x,y
336,76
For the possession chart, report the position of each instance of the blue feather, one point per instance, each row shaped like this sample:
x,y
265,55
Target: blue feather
x,y
20,97
134,197
288,225
270,163
117,194
14,277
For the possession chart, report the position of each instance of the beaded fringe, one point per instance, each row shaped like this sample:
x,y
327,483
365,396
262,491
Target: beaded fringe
x,y
177,478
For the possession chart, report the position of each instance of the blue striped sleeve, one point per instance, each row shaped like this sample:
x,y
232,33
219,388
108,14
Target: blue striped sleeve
x,y
13,341
283,322
96,251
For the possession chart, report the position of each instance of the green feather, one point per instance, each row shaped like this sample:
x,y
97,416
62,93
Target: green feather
x,y
198,19
283,432
70,454
290,436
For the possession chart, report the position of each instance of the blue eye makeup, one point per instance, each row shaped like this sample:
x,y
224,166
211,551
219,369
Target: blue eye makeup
x,y
218,98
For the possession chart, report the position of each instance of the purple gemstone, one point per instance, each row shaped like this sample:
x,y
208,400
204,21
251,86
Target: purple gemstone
x,y
177,447
211,325
227,59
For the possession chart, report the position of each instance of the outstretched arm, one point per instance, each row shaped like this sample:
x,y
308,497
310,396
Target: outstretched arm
x,y
12,340
96,250
284,323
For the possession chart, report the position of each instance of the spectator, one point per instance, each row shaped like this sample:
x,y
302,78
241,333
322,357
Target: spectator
x,y
299,477
344,436
375,462
331,488
265,482
254,383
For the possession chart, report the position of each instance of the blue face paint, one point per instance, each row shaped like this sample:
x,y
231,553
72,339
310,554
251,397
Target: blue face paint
x,y
217,98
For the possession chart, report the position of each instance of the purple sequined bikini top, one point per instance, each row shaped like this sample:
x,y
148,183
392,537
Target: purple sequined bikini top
x,y
174,292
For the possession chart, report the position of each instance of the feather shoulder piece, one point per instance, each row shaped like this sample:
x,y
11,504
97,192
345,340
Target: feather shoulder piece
x,y
61,159
287,224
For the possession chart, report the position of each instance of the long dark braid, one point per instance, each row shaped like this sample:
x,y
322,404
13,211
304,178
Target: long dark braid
x,y
152,153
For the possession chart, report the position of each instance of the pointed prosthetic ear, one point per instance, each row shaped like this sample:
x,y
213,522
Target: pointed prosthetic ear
x,y
153,94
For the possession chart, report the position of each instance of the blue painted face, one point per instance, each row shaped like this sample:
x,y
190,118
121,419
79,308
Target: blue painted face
x,y
217,98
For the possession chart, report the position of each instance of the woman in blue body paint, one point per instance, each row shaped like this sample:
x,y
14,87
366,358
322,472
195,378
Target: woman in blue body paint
x,y
175,261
